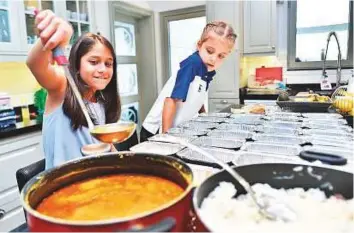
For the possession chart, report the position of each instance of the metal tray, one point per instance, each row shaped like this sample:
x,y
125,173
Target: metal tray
x,y
328,132
322,115
284,114
334,142
218,142
241,134
246,116
272,148
279,130
318,107
215,114
284,124
329,121
273,138
233,127
346,153
157,148
284,118
222,154
187,132
247,121
160,137
209,119
246,158
198,125
345,128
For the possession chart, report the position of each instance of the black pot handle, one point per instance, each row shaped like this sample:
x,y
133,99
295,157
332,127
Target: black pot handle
x,y
331,159
165,225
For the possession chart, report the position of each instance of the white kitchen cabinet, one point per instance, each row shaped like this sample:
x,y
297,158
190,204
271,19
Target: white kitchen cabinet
x,y
17,34
216,105
259,27
15,153
10,36
225,86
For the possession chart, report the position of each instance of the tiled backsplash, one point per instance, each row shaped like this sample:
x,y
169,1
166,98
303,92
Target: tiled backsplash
x,y
250,63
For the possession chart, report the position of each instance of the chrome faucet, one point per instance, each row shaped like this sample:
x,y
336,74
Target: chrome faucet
x,y
339,60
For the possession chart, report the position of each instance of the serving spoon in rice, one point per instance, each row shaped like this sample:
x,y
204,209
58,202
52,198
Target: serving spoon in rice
x,y
267,206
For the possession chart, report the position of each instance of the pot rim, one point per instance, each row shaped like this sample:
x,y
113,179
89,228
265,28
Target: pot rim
x,y
197,190
54,220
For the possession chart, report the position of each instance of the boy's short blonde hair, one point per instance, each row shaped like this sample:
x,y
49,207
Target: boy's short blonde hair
x,y
222,29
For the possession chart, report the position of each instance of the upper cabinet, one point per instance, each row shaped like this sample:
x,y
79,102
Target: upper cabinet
x,y
17,34
9,20
259,27
77,13
226,82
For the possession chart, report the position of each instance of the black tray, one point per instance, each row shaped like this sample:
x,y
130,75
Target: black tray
x,y
296,106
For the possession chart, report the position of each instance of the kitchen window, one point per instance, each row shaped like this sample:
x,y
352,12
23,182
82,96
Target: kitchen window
x,y
181,30
309,25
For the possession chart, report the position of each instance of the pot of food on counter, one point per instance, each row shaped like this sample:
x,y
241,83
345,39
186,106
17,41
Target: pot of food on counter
x,y
320,198
120,191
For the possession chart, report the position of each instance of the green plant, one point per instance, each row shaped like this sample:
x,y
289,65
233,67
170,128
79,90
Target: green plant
x,y
40,97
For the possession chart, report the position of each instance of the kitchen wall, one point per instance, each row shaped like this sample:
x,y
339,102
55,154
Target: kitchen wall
x,y
18,82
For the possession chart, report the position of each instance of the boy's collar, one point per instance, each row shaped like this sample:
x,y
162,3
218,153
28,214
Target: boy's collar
x,y
210,74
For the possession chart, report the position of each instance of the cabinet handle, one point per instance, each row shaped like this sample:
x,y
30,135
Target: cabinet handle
x,y
273,47
2,213
224,101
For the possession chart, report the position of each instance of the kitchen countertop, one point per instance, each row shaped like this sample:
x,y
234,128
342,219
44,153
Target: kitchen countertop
x,y
20,129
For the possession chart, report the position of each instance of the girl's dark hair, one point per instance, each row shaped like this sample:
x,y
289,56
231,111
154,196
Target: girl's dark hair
x,y
110,94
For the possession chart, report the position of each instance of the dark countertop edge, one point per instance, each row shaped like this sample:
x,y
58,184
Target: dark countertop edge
x,y
20,131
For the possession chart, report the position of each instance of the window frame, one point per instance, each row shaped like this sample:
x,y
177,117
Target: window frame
x,y
314,65
166,17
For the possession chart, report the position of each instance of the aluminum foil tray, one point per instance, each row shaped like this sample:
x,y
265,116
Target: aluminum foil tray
x,y
282,139
284,114
231,135
334,142
247,121
246,158
328,132
346,153
198,125
284,118
247,116
272,148
209,119
157,148
284,124
215,114
233,127
160,137
333,121
218,142
322,115
187,132
279,130
222,154
345,128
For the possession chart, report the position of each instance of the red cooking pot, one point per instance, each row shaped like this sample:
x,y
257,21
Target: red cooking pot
x,y
170,216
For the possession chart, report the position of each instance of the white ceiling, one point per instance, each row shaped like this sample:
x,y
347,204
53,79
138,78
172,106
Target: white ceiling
x,y
160,6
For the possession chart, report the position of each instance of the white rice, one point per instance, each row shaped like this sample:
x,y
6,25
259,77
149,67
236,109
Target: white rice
x,y
315,212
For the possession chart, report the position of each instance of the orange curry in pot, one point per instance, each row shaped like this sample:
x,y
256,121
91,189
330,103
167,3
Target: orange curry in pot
x,y
111,196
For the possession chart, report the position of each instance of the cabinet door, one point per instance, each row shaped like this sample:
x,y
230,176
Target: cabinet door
x,y
216,105
259,26
226,80
9,33
77,13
